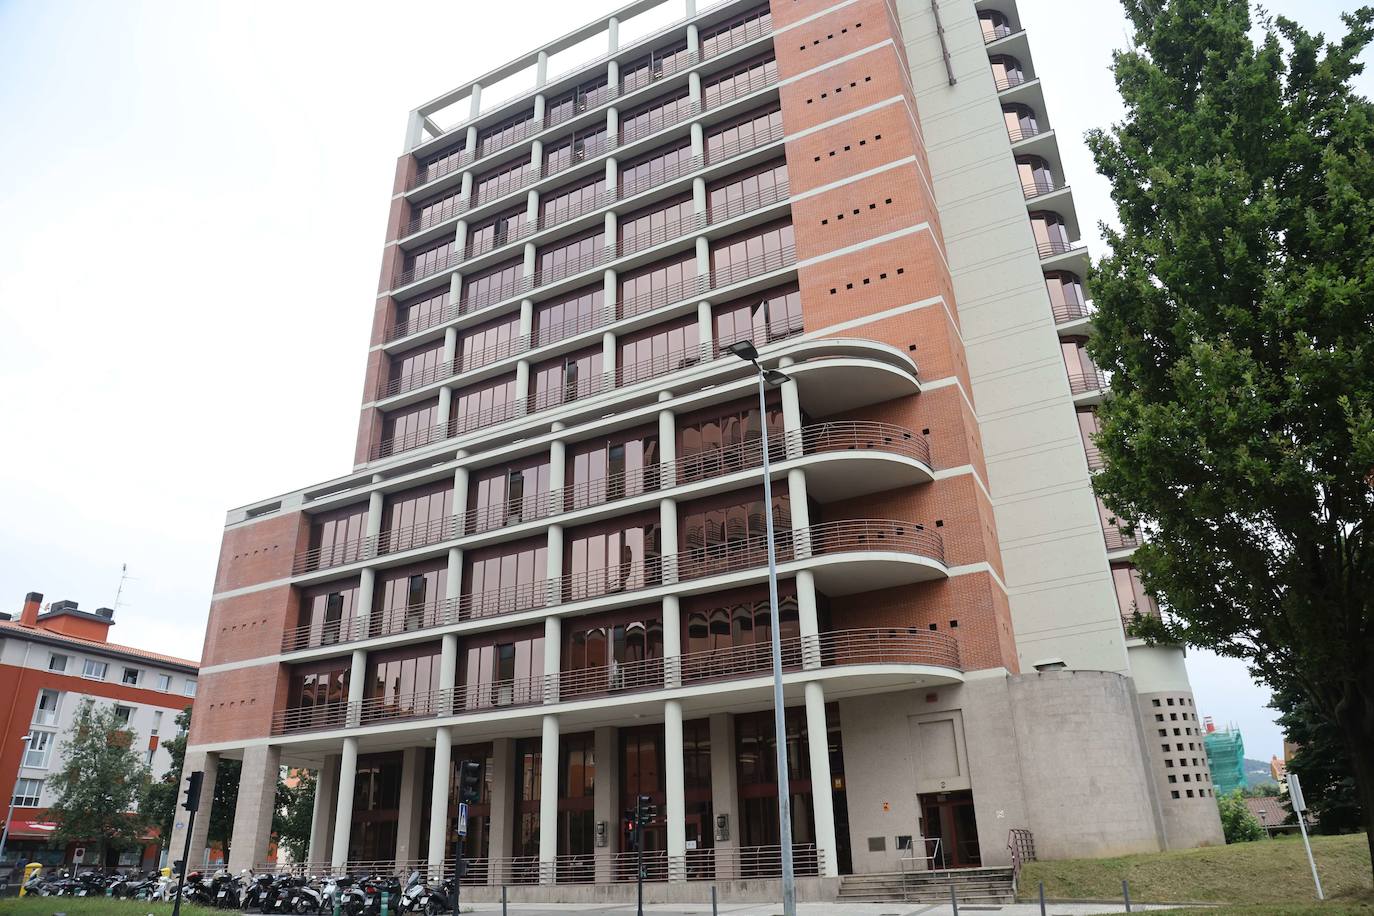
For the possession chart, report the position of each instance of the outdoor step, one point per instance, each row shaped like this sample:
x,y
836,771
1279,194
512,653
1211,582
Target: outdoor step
x,y
983,885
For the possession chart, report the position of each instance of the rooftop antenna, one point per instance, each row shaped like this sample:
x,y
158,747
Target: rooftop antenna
x,y
123,577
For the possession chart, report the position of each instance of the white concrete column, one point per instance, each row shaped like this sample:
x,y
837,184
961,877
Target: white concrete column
x,y
703,259
548,801
522,387
668,547
541,76
465,185
691,8
612,126
818,744
453,588
558,475
504,787
667,435
460,235
808,619
448,672
612,35
606,798
693,37
376,503
532,208
357,687
471,143
362,612
475,101
610,295
724,796
610,229
343,814
253,811
461,476
706,329
455,293
450,345
537,157
699,196
609,362
438,802
530,259
672,642
415,131
694,88
613,78
791,413
322,815
408,808
698,141
553,570
553,657
674,783
526,327
801,512
612,176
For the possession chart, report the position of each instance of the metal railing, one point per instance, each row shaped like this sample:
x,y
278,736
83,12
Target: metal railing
x,y
449,259
1017,134
752,30
1117,539
755,200
500,239
677,227
1052,247
517,180
834,649
998,31
772,134
598,255
743,86
1070,311
587,204
436,214
583,103
1004,83
579,151
753,267
1086,382
420,323
673,113
1038,187
1095,459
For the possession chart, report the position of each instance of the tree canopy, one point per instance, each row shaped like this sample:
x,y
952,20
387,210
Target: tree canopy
x,y
99,785
1235,313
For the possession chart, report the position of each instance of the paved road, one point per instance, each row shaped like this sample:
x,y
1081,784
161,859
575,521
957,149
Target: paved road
x,y
806,909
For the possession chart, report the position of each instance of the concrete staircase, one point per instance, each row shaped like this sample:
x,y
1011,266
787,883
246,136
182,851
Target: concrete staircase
x,y
972,885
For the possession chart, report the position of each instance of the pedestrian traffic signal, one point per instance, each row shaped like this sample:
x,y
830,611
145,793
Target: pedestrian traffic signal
x,y
191,801
631,832
645,810
469,782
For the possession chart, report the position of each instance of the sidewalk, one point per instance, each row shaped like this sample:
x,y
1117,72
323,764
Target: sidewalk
x,y
814,909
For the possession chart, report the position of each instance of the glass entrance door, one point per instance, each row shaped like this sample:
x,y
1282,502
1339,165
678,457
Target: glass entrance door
x,y
949,818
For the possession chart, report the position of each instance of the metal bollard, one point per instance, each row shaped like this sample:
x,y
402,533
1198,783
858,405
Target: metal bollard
x,y
503,901
1042,898
953,899
1126,893
713,900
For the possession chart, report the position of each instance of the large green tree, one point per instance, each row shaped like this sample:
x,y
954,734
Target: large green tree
x,y
162,797
1236,314
99,785
291,821
1321,763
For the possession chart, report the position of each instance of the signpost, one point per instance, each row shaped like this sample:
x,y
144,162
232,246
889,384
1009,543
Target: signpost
x,y
469,793
1300,809
191,803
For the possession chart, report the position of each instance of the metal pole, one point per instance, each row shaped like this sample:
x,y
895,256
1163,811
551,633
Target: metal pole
x,y
5,834
713,900
1126,893
789,886
953,899
503,900
1042,898
1310,861
639,855
185,859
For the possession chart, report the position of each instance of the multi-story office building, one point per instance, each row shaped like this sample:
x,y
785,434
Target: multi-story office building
x,y
51,660
549,555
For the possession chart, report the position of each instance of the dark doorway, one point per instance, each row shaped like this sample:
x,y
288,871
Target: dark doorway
x,y
948,817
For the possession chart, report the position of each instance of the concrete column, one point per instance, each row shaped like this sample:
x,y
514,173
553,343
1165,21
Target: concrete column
x,y
668,547
343,813
448,673
675,784
612,35
208,762
606,798
553,571
408,815
504,786
454,587
553,657
791,412
532,207
691,8
694,88
357,686
461,476
610,295
527,322
465,186
548,801
522,387
450,344
699,196
253,812
376,503
471,144
530,259
706,328
613,78
698,141
455,292
724,794
475,101
541,76
672,642
818,745
460,235
558,471
703,257
693,36
322,816
612,175
667,435
415,131
609,363
808,621
612,126
438,802
537,157
611,231
801,512
362,613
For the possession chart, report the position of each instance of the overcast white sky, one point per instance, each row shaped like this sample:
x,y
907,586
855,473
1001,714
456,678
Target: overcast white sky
x,y
191,222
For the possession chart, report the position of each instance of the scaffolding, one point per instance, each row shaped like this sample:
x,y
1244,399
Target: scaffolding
x,y
1225,757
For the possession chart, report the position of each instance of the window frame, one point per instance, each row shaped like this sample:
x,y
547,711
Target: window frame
x,y
89,664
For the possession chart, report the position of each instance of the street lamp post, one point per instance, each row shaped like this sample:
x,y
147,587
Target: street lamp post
x,y
746,351
5,834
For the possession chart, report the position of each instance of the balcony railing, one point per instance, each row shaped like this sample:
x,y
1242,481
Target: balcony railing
x,y
748,863
1095,460
500,239
748,203
655,178
835,649
435,215
675,228
1085,382
429,268
599,254
738,89
753,267
771,134
752,30
1024,132
1038,187
1015,78
1070,310
364,548
674,113
584,102
1118,539
1051,247
998,31
578,153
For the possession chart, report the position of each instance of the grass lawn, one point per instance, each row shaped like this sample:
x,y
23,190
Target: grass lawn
x,y
1270,871
77,906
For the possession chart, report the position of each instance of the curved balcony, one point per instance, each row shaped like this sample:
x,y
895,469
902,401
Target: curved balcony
x,y
1116,539
897,552
1039,186
1082,383
836,649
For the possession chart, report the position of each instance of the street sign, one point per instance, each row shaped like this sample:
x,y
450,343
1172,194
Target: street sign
x,y
1295,794
462,819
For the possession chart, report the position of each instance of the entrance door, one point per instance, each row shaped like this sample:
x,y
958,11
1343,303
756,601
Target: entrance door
x,y
948,817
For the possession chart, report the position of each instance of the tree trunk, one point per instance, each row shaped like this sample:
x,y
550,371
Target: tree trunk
x,y
1355,715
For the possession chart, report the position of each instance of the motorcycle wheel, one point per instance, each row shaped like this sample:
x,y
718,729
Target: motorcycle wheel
x,y
434,907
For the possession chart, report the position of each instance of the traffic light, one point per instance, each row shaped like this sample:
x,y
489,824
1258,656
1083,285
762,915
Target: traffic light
x,y
191,801
631,832
645,810
469,782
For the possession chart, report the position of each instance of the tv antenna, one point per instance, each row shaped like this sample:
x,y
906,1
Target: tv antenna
x,y
123,577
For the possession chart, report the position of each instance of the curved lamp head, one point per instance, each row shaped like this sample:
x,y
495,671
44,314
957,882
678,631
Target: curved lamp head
x,y
774,377
744,349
